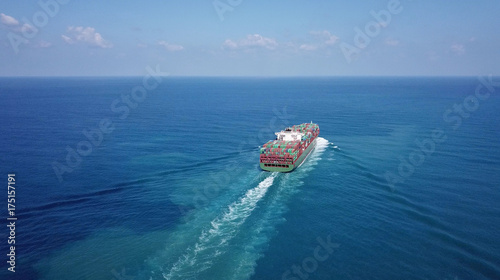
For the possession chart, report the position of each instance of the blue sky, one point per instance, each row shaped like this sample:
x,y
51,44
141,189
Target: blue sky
x,y
250,38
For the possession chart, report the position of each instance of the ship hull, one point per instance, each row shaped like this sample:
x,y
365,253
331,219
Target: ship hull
x,y
289,167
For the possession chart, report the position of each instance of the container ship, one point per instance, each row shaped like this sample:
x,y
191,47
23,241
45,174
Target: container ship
x,y
290,149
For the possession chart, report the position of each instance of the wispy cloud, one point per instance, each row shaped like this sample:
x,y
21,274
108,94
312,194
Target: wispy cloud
x,y
327,38
67,39
308,47
8,20
26,28
392,42
86,35
14,25
321,40
170,47
251,42
44,44
458,49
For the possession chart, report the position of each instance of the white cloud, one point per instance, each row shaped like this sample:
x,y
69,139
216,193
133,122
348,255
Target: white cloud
x,y
326,36
458,49
67,39
332,40
251,41
15,25
86,35
307,47
8,20
44,44
230,44
27,28
392,42
171,47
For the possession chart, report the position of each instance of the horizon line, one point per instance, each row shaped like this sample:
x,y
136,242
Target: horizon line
x,y
253,76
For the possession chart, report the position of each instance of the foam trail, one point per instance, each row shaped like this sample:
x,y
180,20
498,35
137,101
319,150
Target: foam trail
x,y
321,145
213,242
261,232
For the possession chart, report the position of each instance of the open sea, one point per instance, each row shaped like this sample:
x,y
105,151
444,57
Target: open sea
x,y
118,182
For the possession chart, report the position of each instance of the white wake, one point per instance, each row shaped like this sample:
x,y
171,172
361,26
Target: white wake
x,y
262,231
212,242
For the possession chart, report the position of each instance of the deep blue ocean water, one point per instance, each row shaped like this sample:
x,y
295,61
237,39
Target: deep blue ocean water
x,y
404,182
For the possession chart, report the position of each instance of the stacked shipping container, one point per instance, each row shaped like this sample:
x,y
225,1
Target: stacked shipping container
x,y
287,152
